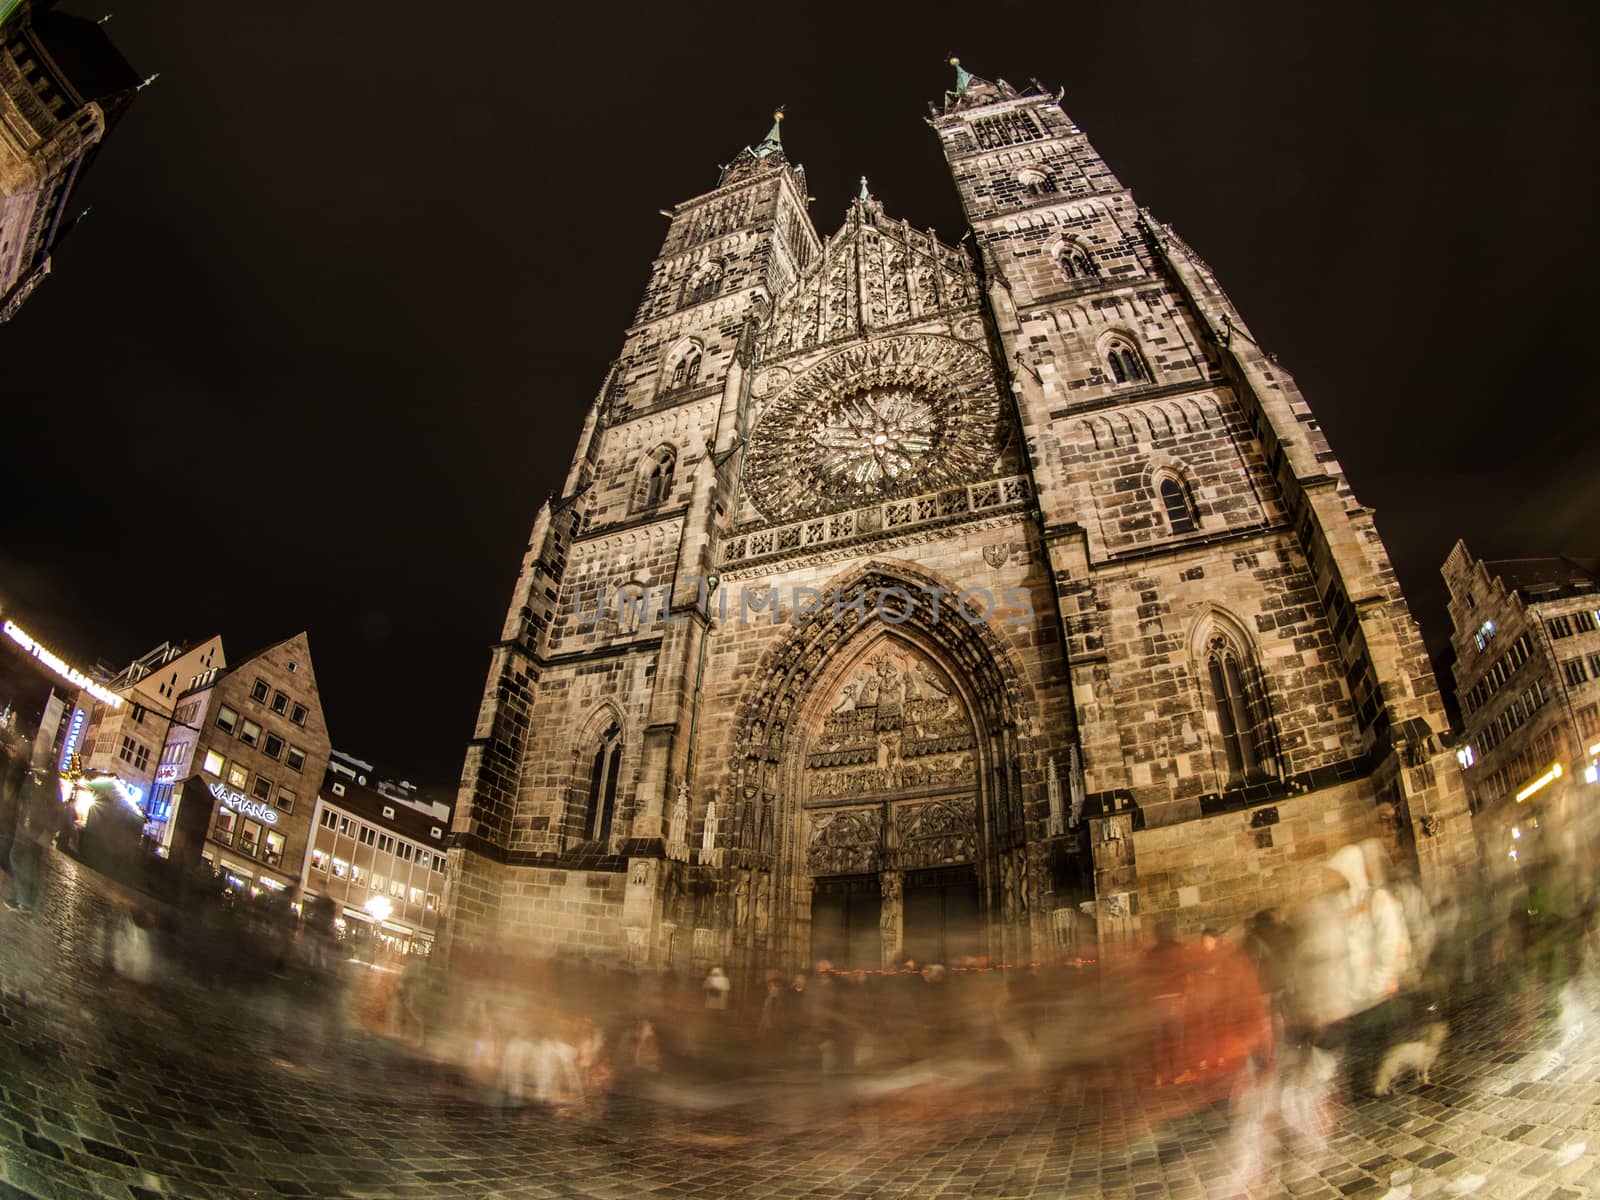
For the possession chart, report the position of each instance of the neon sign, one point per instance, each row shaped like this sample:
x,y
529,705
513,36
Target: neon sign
x,y
166,773
71,674
74,732
244,806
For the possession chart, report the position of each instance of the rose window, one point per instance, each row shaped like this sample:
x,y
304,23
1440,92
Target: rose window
x,y
879,437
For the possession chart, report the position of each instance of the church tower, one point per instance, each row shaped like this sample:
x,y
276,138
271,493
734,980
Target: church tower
x,y
1251,689
905,601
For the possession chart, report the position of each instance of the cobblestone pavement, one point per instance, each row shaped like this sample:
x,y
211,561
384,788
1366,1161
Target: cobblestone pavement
x,y
114,1088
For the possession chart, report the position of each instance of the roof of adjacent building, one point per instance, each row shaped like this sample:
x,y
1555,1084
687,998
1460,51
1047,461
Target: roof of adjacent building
x,y
370,805
1546,578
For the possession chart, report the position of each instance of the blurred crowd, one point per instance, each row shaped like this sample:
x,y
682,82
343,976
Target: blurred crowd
x,y
1353,990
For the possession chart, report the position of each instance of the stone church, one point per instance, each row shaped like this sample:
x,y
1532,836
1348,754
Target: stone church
x,y
917,600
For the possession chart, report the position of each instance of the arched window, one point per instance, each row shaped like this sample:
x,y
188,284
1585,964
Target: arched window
x,y
1175,500
1035,183
604,769
1239,706
654,485
686,371
1076,263
1124,362
632,604
703,284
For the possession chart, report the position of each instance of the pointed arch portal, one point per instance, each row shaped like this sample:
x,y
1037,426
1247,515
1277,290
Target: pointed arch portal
x,y
877,791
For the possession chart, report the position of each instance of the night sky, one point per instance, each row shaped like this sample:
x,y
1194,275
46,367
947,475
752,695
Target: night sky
x,y
354,272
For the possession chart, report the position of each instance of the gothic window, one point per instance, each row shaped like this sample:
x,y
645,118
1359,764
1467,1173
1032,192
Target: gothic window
x,y
703,284
654,485
1124,363
1175,501
686,370
604,768
631,606
1076,263
1239,707
1035,184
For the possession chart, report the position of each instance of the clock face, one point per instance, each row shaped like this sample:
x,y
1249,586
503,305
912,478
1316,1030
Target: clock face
x,y
893,417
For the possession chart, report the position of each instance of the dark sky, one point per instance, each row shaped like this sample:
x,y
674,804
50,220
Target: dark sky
x,y
355,270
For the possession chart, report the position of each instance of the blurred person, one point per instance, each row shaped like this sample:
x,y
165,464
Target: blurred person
x,y
717,989
770,1024
1354,953
13,769
38,813
1165,969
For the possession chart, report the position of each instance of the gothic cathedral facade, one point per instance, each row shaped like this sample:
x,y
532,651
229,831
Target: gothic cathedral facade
x,y
908,600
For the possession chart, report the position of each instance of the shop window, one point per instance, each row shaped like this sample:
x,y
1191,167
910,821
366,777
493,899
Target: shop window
x,y
227,720
250,733
272,849
261,789
227,819
213,764
272,746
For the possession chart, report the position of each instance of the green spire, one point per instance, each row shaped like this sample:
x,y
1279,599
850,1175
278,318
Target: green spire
x,y
963,76
772,143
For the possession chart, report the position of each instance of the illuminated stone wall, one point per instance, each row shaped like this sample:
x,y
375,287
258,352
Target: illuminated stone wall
x,y
1073,427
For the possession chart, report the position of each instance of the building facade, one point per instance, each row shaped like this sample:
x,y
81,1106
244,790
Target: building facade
x,y
1526,635
377,852
129,739
903,601
62,88
247,749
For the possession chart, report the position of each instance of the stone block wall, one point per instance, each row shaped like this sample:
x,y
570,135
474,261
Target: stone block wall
x,y
562,911
1221,870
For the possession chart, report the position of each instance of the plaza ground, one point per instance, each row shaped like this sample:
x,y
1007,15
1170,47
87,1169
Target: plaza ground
x,y
115,1088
